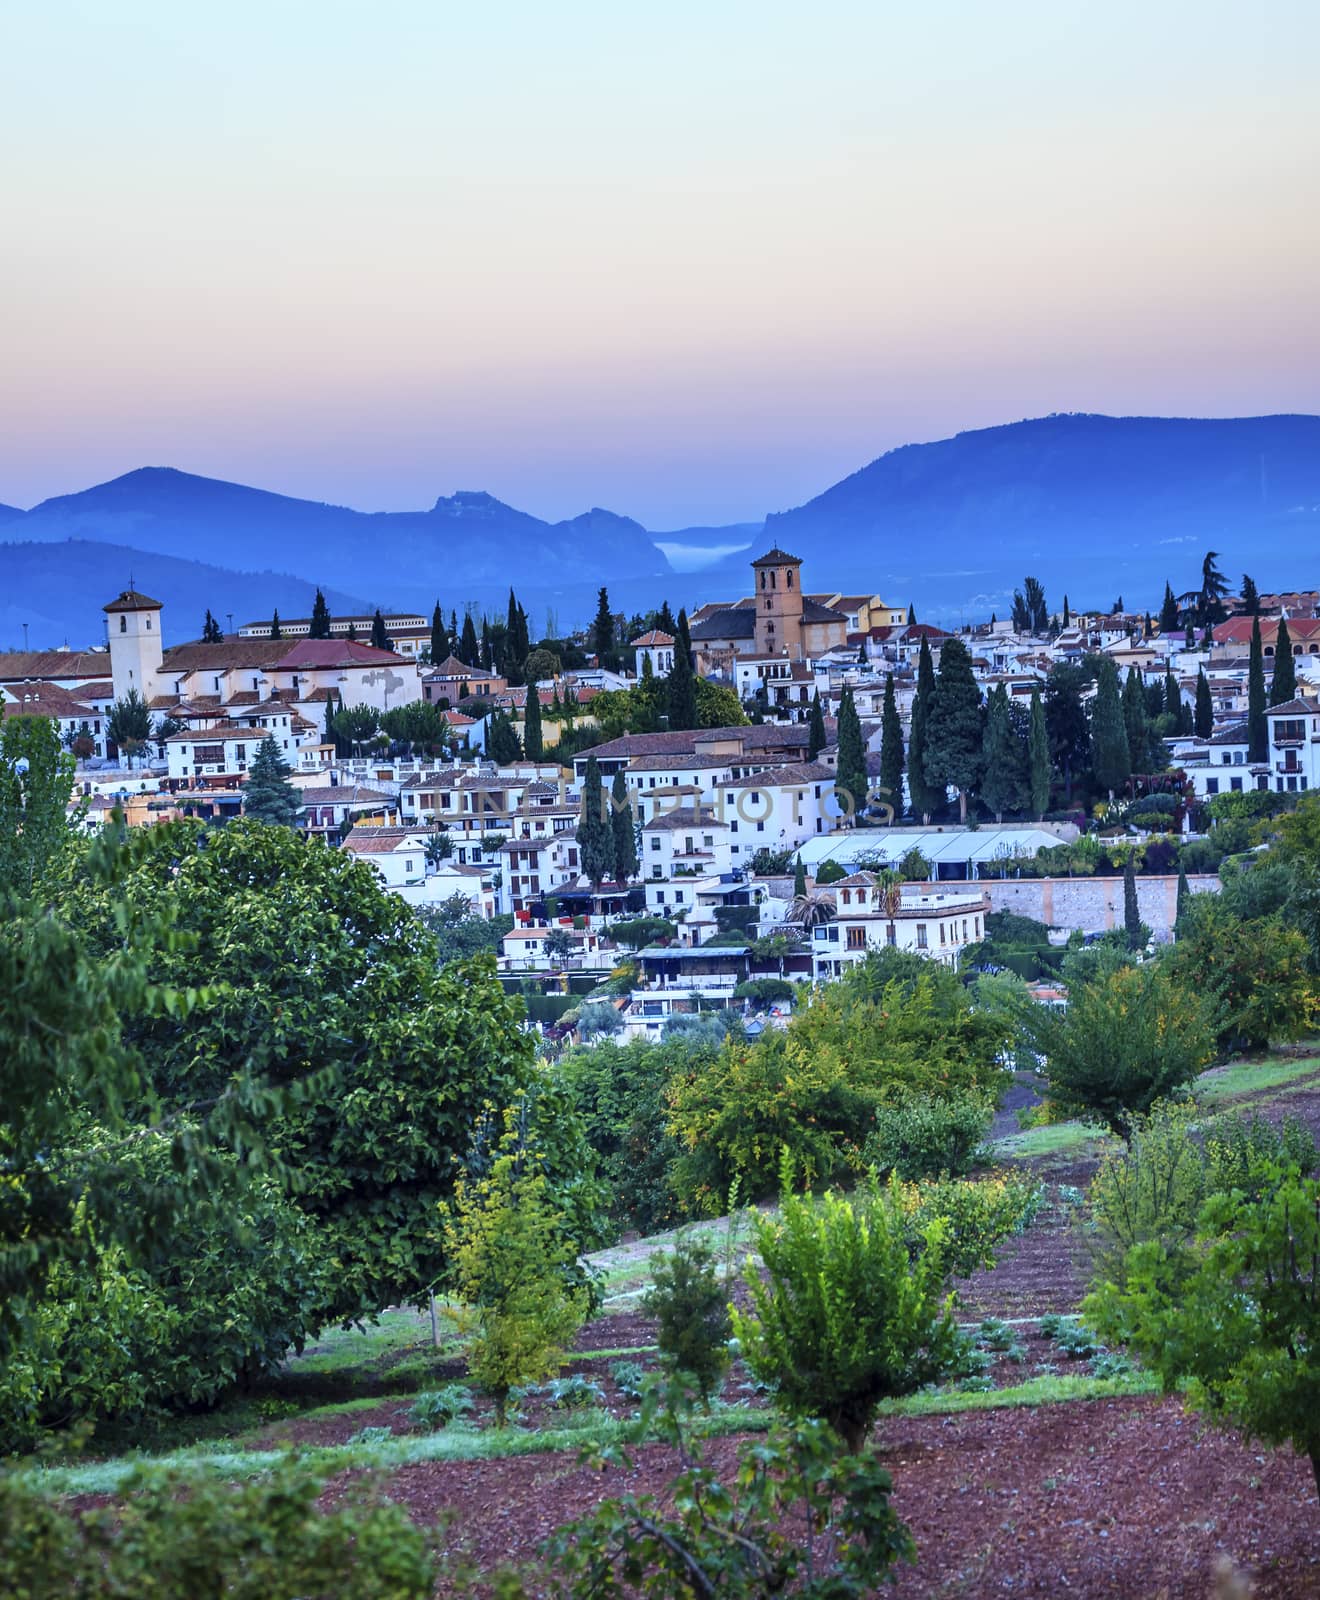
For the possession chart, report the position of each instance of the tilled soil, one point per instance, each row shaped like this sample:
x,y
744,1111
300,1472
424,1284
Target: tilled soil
x,y
1126,1499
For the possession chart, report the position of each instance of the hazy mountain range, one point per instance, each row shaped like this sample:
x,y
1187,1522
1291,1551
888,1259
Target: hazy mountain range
x,y
1097,505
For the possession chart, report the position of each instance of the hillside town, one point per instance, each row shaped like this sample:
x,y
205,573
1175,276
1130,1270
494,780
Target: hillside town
x,y
669,816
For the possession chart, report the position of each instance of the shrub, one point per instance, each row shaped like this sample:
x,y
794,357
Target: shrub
x,y
1256,972
830,872
923,1137
636,932
629,1378
690,1305
767,991
978,1214
1242,1152
847,1312
437,1408
266,1538
1152,1189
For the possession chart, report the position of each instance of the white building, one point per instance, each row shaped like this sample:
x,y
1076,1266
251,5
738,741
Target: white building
x,y
925,921
658,648
778,809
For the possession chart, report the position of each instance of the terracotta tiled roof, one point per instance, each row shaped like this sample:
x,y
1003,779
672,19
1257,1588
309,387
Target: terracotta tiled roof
x,y
16,666
39,699
651,640
132,600
777,558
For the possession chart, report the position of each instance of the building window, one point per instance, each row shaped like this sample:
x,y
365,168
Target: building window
x,y
857,938
123,624
921,936
1212,785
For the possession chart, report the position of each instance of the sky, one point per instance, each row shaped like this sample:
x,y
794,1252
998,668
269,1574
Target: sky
x,y
691,261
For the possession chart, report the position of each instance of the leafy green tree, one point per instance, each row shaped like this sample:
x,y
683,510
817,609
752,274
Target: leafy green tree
x,y
129,724
1126,1040
533,738
275,630
356,726
542,663
1038,757
816,739
508,1254
891,750
852,779
1168,611
690,1306
1283,685
595,831
925,794
681,683
1250,597
36,780
1110,761
211,632
718,705
952,757
1235,1315
458,933
319,627
1065,720
439,846
1257,727
1203,718
1001,758
1214,586
624,823
268,796
502,745
440,646
845,1313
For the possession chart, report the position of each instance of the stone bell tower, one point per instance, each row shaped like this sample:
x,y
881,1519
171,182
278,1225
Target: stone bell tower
x,y
778,580
132,626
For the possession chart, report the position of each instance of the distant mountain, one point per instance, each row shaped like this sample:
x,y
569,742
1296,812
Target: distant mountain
x,y
58,590
1097,505
6,512
465,543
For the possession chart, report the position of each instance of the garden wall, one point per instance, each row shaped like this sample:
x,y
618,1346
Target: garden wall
x,y
1093,905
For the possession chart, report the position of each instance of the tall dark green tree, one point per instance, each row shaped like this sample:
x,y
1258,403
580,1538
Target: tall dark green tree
x,y
1257,727
1283,685
268,796
320,625
1131,912
380,640
1214,586
502,745
1067,613
439,637
1038,757
1001,757
1172,696
518,643
851,779
1135,722
595,833
602,630
332,708
1184,900
626,864
891,750
211,633
1169,610
1110,760
276,632
488,649
469,653
1250,596
1065,718
925,794
1038,613
533,734
912,615
954,733
1203,717
128,727
816,740
682,683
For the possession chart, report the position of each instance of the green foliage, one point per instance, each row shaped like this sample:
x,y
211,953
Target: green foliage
x,y
852,784
129,724
924,1136
703,1537
533,738
1234,1316
268,796
718,706
595,832
681,684
926,795
1283,684
845,1313
457,933
502,745
437,1408
1038,757
690,1306
816,728
1110,759
1257,726
266,1538
953,752
830,872
914,867
508,1253
637,932
1003,780
765,991
355,726
623,820
36,781
1126,1040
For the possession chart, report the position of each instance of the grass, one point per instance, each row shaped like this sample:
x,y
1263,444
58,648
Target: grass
x,y
1055,1138
1257,1076
462,1444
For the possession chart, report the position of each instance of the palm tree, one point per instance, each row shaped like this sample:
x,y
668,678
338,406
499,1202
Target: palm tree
x,y
889,898
810,909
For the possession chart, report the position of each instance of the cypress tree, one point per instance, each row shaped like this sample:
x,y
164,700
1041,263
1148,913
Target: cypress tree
x,y
626,864
502,741
799,880
275,631
380,640
1134,721
912,615
1184,900
954,732
487,648
851,778
1203,718
891,750
816,740
211,633
268,796
1169,610
320,625
925,796
665,621
469,652
1172,695
1250,596
1257,727
1110,761
439,636
602,630
681,683
328,733
1067,613
1001,786
1283,685
1131,911
595,835
352,630
1038,751
533,738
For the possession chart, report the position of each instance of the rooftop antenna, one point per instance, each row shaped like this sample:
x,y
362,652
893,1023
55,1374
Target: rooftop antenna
x,y
230,615
25,636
